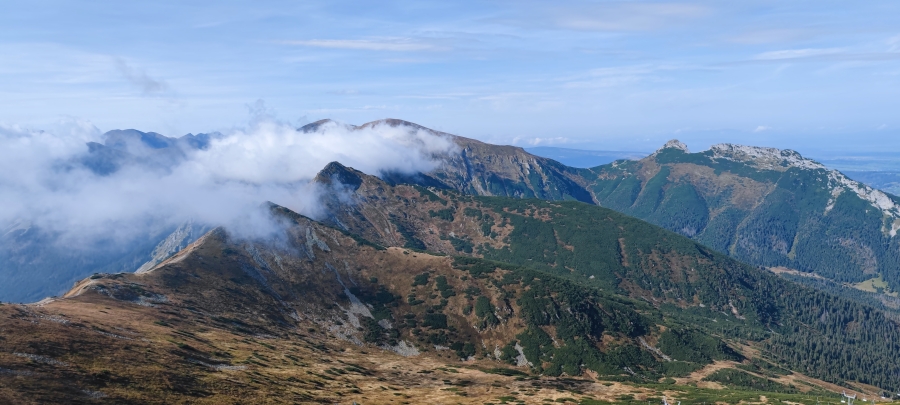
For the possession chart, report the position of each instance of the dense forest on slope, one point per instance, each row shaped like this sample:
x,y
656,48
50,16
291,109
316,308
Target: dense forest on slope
x,y
767,207
804,325
785,214
556,289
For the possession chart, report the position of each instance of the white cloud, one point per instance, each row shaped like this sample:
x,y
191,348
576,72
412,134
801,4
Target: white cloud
x,y
380,44
41,182
762,128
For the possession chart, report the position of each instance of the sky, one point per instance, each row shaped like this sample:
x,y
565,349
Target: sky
x,y
816,76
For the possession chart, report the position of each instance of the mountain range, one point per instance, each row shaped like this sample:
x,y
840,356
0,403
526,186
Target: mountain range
x,y
496,277
764,206
504,289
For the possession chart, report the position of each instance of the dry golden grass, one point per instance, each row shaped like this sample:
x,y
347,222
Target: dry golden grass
x,y
223,322
92,348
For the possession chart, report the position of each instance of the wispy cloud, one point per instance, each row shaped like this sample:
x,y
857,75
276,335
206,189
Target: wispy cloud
x,y
536,141
762,128
379,44
140,79
628,16
894,43
623,75
798,53
345,92
768,36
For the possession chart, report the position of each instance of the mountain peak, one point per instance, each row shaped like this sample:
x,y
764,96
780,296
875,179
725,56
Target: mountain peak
x,y
394,123
129,139
336,173
324,123
674,144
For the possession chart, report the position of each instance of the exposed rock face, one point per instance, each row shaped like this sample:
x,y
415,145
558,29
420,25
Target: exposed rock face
x,y
674,144
763,158
484,169
184,235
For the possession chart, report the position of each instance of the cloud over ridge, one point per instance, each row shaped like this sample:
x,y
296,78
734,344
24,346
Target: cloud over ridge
x,y
45,183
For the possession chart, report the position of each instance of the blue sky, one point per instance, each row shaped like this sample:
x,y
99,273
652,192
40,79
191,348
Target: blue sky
x,y
816,76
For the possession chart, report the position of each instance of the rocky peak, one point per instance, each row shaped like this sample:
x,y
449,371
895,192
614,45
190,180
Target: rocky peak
x,y
762,157
674,144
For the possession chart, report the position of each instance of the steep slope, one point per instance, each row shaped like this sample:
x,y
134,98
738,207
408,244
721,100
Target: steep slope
x,y
35,263
599,247
320,314
765,206
236,321
888,181
485,169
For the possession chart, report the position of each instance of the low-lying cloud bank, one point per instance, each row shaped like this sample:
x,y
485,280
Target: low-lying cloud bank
x,y
45,182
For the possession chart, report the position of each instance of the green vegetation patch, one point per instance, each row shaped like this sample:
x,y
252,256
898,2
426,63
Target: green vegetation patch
x,y
738,379
695,346
446,214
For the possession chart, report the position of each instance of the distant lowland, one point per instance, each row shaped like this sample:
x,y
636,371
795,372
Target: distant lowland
x,y
584,158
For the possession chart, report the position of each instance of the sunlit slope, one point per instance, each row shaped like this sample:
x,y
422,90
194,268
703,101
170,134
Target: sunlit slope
x,y
601,248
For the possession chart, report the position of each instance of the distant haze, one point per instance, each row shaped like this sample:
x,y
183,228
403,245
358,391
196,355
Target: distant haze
x,y
584,158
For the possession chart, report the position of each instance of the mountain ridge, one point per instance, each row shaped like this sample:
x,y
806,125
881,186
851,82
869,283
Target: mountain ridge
x,y
558,289
708,196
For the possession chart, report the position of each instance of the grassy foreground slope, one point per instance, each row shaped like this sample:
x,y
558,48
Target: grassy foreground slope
x,y
409,295
316,315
